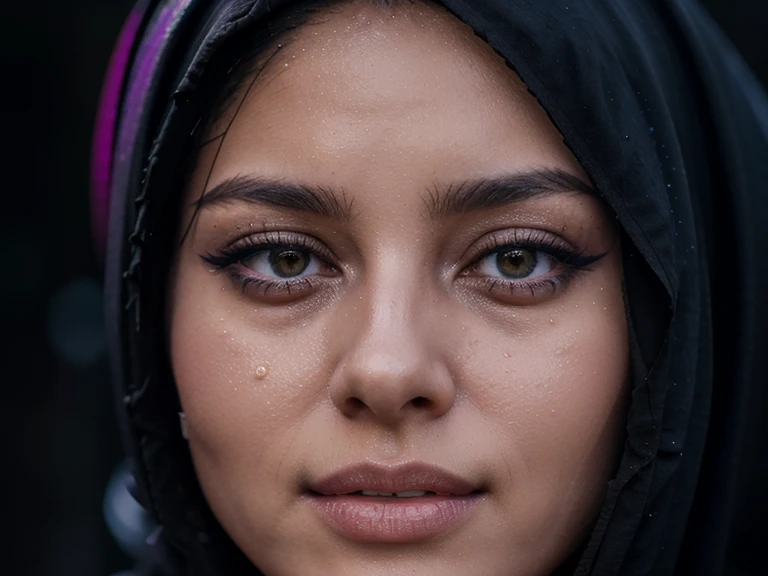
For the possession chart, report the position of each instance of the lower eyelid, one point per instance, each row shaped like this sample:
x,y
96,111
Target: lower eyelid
x,y
277,288
538,287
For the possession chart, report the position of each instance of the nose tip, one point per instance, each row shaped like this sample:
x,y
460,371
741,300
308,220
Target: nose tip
x,y
390,386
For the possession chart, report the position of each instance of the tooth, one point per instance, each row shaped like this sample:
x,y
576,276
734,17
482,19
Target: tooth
x,y
410,494
372,493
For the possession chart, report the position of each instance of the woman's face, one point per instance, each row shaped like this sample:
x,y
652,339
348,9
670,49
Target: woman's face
x,y
398,283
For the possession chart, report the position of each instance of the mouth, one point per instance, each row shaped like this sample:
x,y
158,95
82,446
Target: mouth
x,y
393,504
404,494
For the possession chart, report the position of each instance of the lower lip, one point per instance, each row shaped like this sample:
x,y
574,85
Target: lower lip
x,y
393,520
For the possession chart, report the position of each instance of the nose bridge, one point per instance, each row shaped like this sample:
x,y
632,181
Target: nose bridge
x,y
393,303
393,368
392,332
392,298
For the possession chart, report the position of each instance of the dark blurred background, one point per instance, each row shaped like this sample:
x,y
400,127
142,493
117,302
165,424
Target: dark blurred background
x,y
61,440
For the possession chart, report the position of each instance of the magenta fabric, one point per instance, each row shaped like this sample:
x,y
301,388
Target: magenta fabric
x,y
113,141
104,133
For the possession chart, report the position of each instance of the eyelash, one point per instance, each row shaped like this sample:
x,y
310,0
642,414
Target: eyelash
x,y
568,261
231,258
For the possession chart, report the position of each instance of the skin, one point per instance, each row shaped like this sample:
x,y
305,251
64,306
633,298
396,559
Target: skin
x,y
398,353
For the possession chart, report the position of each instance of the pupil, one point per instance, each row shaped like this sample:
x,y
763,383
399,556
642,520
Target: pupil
x,y
516,263
287,263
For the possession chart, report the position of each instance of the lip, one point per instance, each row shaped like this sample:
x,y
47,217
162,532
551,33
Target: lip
x,y
382,519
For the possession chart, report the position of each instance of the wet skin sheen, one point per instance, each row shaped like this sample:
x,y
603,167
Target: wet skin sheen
x,y
394,328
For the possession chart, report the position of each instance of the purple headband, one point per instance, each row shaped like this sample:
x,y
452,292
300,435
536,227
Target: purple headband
x,y
104,132
121,106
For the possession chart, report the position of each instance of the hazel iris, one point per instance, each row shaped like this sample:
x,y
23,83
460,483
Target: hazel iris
x,y
288,262
516,262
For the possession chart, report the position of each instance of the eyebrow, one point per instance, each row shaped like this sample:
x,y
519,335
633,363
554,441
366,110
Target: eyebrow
x,y
279,194
441,202
484,193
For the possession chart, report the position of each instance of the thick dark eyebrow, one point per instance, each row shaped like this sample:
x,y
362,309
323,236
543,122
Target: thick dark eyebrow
x,y
301,197
441,202
472,195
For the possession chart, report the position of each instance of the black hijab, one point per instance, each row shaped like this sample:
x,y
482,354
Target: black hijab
x,y
672,130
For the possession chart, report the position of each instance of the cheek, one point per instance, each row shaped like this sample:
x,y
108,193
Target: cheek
x,y
556,393
245,390
236,381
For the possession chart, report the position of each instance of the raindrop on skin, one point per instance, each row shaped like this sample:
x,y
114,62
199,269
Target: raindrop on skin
x,y
261,371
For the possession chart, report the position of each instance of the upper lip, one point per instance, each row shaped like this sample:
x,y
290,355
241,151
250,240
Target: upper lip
x,y
393,478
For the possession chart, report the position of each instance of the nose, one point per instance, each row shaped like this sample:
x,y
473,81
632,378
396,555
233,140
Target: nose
x,y
392,370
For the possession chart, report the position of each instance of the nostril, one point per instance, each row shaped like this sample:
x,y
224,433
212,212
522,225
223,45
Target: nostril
x,y
355,405
420,402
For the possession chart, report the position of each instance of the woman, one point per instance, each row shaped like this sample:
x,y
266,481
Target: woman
x,y
415,288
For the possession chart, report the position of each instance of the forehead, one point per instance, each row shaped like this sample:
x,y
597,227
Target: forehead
x,y
369,83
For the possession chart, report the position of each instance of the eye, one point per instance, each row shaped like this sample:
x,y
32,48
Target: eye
x,y
275,266
283,262
521,266
516,263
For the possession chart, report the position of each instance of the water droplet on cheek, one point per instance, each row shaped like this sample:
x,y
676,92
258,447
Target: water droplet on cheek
x,y
262,370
